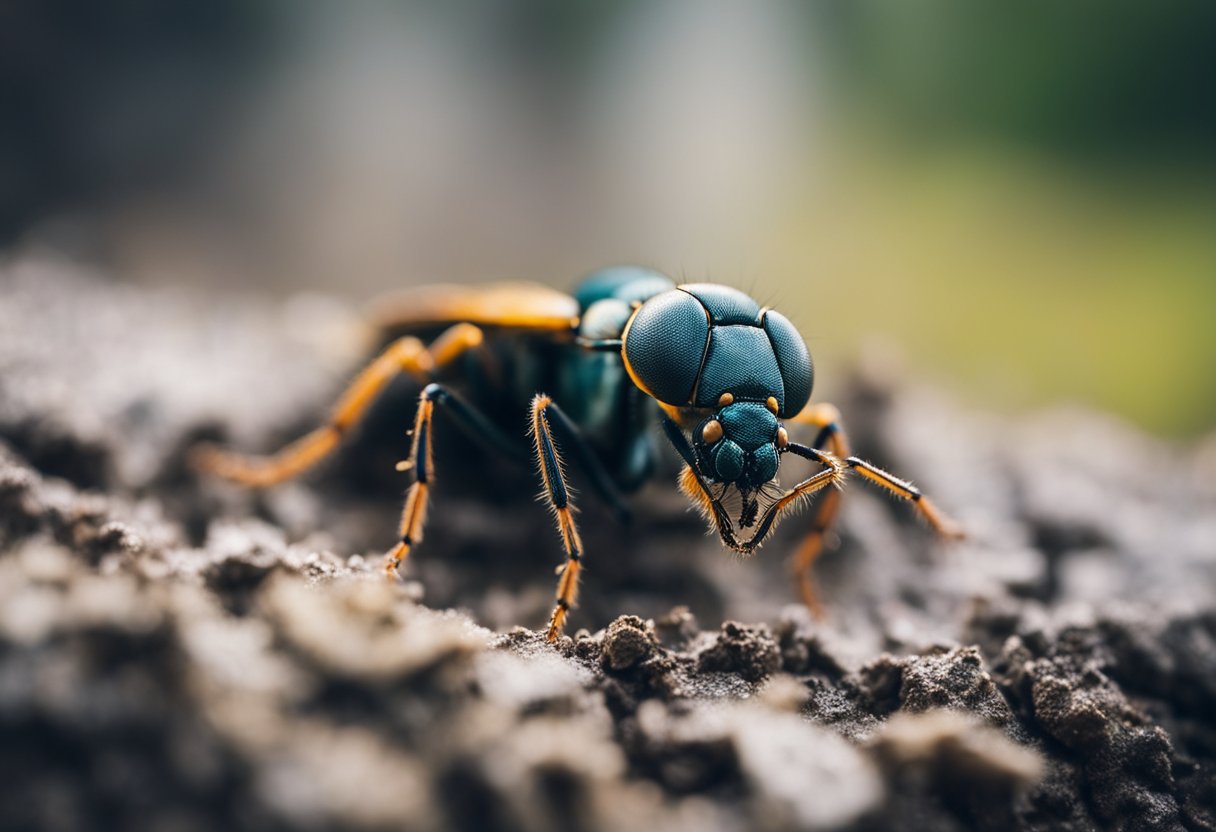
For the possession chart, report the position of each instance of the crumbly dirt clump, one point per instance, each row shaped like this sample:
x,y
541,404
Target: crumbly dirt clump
x,y
179,654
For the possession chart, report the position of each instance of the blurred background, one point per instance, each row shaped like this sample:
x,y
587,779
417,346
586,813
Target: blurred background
x,y
1020,198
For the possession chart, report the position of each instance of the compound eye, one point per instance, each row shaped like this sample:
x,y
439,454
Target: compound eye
x,y
665,344
797,371
712,432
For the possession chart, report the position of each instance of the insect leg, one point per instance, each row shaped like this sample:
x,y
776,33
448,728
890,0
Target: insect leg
x,y
587,459
941,523
552,474
405,355
827,418
694,486
832,474
831,435
471,422
832,438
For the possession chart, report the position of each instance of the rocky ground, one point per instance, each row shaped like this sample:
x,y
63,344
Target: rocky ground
x,y
181,654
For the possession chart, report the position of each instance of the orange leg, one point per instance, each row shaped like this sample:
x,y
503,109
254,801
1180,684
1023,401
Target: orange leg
x,y
826,417
558,495
549,463
475,425
413,513
406,355
694,487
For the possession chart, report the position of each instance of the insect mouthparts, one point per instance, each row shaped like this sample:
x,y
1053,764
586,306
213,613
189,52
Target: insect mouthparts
x,y
751,507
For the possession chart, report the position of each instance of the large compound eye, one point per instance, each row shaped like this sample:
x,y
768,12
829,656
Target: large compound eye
x,y
664,345
794,361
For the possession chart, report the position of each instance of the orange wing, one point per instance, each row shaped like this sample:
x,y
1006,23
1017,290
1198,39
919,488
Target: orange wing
x,y
523,306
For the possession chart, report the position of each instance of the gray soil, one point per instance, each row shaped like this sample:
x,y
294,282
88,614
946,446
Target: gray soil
x,y
182,654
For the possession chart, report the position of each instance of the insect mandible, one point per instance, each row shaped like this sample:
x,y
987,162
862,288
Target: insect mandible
x,y
720,374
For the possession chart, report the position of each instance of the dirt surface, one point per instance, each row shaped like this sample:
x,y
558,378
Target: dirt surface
x,y
182,654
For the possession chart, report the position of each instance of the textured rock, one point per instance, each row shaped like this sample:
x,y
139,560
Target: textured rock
x,y
177,653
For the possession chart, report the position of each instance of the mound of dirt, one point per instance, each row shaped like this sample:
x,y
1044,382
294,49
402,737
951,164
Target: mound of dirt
x,y
181,654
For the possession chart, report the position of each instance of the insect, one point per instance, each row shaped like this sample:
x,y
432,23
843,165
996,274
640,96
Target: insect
x,y
720,374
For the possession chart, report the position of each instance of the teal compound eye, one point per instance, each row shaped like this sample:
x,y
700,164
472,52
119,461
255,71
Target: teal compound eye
x,y
793,360
664,345
692,344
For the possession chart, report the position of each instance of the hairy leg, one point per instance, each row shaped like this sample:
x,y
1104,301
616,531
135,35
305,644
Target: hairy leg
x,y
405,355
831,436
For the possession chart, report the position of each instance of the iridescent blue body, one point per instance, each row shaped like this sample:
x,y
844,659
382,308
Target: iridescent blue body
x,y
598,371
630,352
684,348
